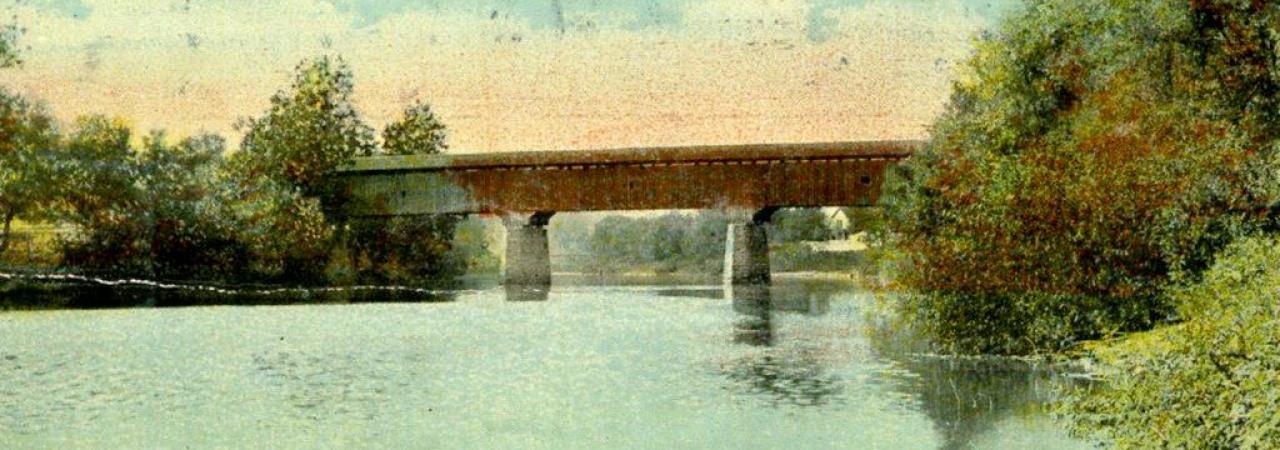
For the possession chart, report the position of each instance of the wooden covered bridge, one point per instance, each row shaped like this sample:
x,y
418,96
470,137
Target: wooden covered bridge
x,y
527,188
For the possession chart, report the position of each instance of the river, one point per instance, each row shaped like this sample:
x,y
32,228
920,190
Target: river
x,y
636,366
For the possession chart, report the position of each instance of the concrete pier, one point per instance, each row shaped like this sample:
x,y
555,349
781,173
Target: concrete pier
x,y
528,258
747,250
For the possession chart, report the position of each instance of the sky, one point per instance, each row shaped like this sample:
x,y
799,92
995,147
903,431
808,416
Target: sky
x,y
508,75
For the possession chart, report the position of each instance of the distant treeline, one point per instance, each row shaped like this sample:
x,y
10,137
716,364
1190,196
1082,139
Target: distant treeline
x,y
191,209
683,242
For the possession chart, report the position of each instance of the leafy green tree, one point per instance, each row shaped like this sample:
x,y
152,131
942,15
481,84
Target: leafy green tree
x,y
285,234
1092,153
418,132
617,242
799,225
309,130
192,228
28,140
665,241
100,196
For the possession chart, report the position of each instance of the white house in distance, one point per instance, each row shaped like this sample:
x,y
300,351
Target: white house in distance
x,y
837,221
842,240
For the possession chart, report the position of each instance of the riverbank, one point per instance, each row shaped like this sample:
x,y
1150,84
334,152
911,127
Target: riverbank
x,y
27,291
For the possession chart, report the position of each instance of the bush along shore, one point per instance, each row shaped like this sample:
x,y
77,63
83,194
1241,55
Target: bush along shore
x,y
92,197
1105,168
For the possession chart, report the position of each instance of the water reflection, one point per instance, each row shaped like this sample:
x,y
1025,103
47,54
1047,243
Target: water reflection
x,y
527,294
965,397
790,377
706,293
755,322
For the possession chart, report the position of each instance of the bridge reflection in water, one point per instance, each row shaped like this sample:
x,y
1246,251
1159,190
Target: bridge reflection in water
x,y
788,378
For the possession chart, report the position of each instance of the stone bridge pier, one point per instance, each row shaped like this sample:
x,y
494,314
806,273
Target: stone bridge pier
x,y
746,250
528,257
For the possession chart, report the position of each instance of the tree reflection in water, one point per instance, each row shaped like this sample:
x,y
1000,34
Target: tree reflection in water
x,y
527,294
783,378
966,397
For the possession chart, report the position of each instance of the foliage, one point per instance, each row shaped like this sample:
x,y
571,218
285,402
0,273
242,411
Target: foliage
x,y
419,132
800,224
405,249
471,248
28,137
1206,383
668,243
186,210
192,232
309,130
1092,152
285,233
9,56
99,196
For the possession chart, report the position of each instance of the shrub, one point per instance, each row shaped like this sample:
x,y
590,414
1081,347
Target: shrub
x,y
1209,382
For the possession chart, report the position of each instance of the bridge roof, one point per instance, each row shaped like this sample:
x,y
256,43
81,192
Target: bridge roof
x,y
638,155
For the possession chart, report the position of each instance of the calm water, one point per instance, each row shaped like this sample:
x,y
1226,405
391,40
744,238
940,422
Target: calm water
x,y
589,367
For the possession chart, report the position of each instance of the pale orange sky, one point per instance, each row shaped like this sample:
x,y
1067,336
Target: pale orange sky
x,y
732,72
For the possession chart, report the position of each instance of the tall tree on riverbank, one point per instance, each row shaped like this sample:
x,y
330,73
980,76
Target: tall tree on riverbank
x,y
310,129
28,136
99,195
1093,152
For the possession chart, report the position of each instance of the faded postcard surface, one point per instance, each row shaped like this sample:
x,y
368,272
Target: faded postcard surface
x,y
639,224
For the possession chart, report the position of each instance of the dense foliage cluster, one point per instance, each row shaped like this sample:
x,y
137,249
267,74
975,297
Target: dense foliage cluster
x,y
310,129
192,210
1208,382
1093,153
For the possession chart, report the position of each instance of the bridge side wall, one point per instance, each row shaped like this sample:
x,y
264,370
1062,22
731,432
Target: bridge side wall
x,y
602,187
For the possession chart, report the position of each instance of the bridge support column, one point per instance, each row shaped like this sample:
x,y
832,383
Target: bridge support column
x,y
528,261
746,259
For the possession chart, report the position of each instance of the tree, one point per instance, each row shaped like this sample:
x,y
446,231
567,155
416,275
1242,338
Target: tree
x,y
800,224
1093,152
28,139
617,242
1206,383
193,233
309,130
665,241
418,132
100,195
